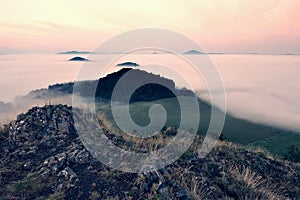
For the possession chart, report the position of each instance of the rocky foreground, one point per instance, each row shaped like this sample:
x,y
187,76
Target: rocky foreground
x,y
43,158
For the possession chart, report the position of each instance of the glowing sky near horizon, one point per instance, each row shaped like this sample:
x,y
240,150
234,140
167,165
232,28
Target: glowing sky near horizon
x,y
269,26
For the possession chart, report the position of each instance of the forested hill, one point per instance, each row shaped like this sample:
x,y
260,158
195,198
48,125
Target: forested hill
x,y
160,87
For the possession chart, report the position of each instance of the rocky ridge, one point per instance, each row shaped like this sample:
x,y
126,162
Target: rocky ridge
x,y
43,158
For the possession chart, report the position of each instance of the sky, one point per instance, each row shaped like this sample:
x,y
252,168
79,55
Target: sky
x,y
231,26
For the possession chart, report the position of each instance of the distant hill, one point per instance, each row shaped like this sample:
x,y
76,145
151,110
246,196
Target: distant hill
x,y
106,85
77,58
193,52
88,52
75,52
128,64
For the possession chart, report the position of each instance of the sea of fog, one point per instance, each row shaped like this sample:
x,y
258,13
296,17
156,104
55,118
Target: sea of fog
x,y
260,88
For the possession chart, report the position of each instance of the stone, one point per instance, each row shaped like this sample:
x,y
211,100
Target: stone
x,y
68,174
163,190
39,135
20,116
83,157
46,172
51,161
145,186
28,165
61,160
31,152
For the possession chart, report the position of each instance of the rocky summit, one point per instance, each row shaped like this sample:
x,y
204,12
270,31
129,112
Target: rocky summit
x,y
43,158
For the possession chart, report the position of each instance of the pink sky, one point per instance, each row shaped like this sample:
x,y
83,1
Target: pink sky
x,y
269,26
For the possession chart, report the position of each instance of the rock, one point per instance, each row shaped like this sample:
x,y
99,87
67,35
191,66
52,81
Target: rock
x,y
54,169
31,152
20,116
39,135
83,157
163,190
42,126
145,186
59,187
61,160
180,193
28,165
171,131
50,161
68,174
45,172
72,156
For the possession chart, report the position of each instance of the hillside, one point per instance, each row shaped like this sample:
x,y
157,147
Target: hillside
x,y
235,130
43,158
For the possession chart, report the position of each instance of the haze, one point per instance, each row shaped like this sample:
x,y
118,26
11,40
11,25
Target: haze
x,y
233,26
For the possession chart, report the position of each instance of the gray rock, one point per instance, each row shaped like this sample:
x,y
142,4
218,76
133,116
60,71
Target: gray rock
x,y
28,165
31,152
72,156
54,169
45,172
39,135
59,187
20,116
51,161
83,157
61,160
163,190
68,174
145,186
181,193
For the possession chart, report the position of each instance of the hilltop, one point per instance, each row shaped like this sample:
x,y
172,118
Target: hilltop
x,y
193,52
106,85
78,58
43,158
128,64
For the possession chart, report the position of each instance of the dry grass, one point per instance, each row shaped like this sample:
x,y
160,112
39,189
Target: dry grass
x,y
246,175
221,145
28,185
263,151
149,144
193,186
262,189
